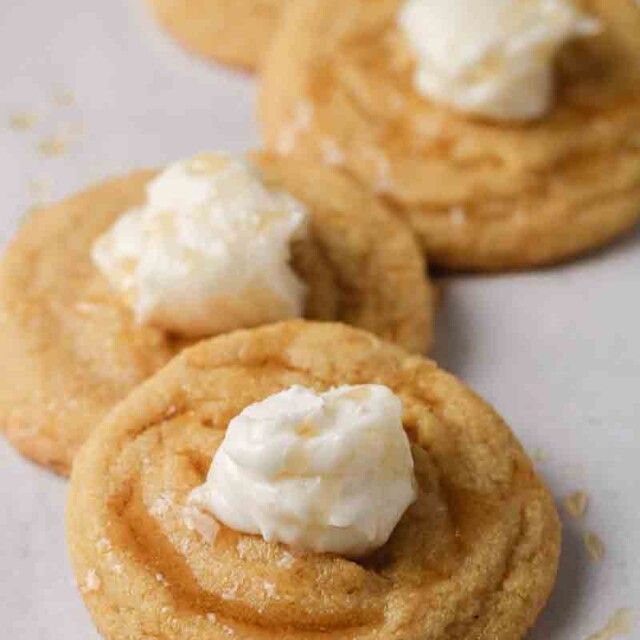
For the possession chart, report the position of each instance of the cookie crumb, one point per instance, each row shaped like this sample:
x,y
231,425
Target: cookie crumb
x,y
91,582
64,97
204,524
22,120
576,504
228,630
619,624
211,617
269,588
539,455
594,546
39,185
71,130
40,189
52,147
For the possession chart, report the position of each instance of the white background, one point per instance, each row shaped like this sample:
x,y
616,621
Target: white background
x,y
557,352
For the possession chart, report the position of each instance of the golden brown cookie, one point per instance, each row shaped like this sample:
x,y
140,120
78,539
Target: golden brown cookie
x,y
338,85
71,349
237,32
473,559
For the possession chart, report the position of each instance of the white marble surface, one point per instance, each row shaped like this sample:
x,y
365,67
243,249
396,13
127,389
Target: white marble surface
x,y
558,352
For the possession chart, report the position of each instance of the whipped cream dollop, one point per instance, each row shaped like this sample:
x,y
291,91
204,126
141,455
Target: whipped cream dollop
x,y
493,58
209,251
325,472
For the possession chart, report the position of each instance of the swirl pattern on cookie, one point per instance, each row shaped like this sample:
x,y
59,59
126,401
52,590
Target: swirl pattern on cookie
x,y
74,348
474,557
481,195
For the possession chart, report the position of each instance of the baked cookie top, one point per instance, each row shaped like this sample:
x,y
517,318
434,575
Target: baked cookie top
x,y
480,194
237,32
74,349
474,557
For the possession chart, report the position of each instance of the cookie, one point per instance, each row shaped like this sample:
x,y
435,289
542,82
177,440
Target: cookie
x,y
481,195
474,557
237,32
72,349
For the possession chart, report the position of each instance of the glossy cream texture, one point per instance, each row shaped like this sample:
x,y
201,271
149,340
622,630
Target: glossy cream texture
x,y
208,252
323,472
492,58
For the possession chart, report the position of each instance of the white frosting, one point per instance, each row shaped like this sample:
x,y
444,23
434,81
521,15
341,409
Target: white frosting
x,y
325,472
494,58
208,252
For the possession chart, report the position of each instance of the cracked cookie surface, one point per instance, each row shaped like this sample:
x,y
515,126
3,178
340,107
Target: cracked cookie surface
x,y
480,195
72,349
474,558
